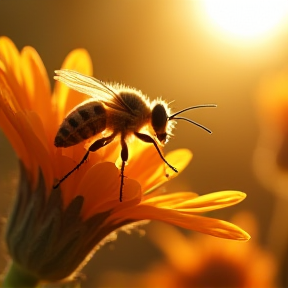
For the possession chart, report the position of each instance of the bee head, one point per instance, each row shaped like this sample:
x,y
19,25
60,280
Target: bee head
x,y
159,120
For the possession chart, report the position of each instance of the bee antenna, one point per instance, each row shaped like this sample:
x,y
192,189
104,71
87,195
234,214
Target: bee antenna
x,y
190,108
193,122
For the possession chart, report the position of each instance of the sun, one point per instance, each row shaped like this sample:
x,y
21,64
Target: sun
x,y
246,19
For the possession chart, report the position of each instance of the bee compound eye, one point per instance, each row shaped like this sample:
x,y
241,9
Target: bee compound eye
x,y
159,118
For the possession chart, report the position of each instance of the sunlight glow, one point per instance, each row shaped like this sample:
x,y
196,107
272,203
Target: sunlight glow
x,y
247,18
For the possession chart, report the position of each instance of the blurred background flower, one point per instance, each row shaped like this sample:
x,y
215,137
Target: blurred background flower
x,y
179,50
198,261
271,157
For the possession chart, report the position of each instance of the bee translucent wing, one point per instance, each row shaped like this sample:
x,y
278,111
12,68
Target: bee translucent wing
x,y
92,87
84,84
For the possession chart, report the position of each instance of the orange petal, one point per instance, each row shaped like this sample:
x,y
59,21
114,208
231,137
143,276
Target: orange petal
x,y
181,158
170,199
211,201
7,96
10,63
100,187
9,126
62,166
66,98
37,86
139,168
37,151
153,172
214,227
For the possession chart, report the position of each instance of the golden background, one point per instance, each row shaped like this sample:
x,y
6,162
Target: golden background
x,y
168,49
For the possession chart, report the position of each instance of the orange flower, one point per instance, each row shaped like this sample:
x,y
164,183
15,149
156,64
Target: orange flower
x,y
52,231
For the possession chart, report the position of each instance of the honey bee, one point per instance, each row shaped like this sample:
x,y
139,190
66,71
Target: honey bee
x,y
120,110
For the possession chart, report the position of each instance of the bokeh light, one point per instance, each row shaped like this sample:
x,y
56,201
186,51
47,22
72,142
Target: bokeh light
x,y
246,19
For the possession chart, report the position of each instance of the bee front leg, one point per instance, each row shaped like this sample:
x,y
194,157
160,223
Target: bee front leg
x,y
124,157
146,138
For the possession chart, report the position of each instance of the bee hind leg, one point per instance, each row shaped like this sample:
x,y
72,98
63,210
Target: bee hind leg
x,y
146,138
75,168
101,142
94,147
124,157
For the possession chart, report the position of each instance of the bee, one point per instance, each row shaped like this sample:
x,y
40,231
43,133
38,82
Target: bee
x,y
120,110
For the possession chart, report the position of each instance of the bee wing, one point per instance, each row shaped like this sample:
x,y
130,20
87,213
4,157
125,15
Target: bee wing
x,y
93,87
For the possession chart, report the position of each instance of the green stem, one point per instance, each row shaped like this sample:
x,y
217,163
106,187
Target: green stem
x,y
17,277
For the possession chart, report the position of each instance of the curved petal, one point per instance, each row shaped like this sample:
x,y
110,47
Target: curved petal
x,y
153,172
139,168
36,149
8,123
170,200
179,158
7,96
11,65
214,227
18,127
9,55
104,180
24,129
37,86
209,202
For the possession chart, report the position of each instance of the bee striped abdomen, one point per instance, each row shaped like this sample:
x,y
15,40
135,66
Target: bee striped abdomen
x,y
85,121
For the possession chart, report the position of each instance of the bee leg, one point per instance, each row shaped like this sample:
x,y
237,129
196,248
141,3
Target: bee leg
x,y
148,139
75,168
102,142
124,157
95,146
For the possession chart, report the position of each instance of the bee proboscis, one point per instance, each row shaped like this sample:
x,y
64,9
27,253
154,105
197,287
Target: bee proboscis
x,y
122,110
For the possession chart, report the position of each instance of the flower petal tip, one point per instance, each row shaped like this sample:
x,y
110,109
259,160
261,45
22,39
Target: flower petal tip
x,y
245,237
